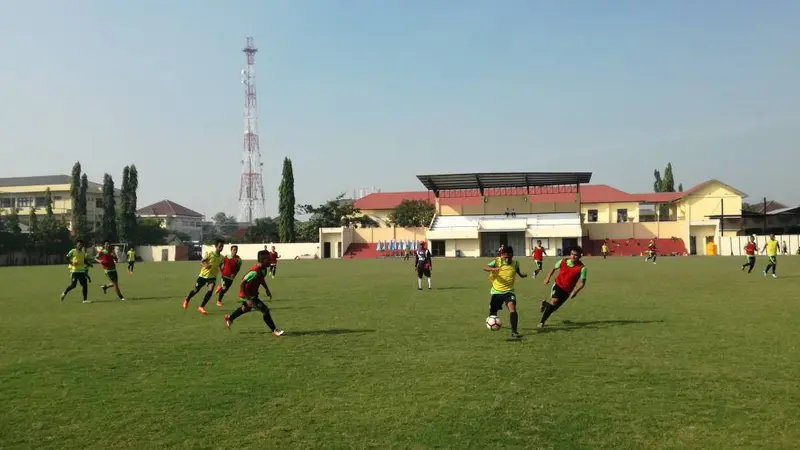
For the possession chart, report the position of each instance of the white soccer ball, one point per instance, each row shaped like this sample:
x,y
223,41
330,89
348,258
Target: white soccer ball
x,y
493,323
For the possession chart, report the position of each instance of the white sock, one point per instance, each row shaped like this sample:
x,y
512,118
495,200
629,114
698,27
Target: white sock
x,y
429,283
419,283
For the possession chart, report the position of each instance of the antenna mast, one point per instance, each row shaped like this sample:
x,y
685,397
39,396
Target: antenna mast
x,y
251,186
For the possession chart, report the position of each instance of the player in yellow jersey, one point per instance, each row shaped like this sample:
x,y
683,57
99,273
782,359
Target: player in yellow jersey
x,y
604,250
209,270
79,261
131,260
503,271
771,248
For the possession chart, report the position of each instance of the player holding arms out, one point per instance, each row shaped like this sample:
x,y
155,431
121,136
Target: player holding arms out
x,y
422,264
209,269
771,247
248,294
502,273
108,261
570,281
79,261
750,251
538,258
231,265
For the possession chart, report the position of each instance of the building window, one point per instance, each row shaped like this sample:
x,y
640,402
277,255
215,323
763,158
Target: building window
x,y
40,202
622,215
57,197
24,202
98,203
6,202
591,215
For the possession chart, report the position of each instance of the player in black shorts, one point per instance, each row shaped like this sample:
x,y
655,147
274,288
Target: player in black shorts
x,y
422,265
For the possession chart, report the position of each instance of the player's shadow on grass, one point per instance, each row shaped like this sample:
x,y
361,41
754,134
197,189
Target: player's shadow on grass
x,y
569,325
314,332
453,288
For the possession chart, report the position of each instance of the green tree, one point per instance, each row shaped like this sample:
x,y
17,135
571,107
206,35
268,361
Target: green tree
x,y
286,203
128,223
262,230
412,213
82,228
50,227
306,232
665,184
14,231
74,193
34,232
108,224
150,232
339,212
224,224
680,187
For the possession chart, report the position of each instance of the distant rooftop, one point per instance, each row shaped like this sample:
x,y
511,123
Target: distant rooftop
x,y
41,180
167,208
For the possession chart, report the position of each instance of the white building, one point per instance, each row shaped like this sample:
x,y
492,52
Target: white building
x,y
175,217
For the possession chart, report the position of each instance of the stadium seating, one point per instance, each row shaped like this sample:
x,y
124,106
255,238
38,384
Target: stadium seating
x,y
628,247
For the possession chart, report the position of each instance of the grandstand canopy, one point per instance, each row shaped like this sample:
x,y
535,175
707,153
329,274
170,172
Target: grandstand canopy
x,y
501,180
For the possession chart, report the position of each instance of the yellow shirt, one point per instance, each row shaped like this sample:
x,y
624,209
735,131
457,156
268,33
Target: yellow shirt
x,y
131,255
211,268
605,248
503,279
77,260
772,247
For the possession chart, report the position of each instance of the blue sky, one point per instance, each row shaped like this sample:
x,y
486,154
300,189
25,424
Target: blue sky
x,y
365,93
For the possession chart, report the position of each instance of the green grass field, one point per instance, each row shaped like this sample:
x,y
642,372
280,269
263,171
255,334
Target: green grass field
x,y
690,353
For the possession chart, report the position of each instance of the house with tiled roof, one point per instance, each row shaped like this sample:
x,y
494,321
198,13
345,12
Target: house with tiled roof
x,y
175,217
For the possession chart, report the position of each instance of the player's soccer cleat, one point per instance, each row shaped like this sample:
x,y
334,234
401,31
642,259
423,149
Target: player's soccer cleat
x,y
540,326
105,288
122,299
85,302
228,321
219,289
62,296
219,304
202,310
277,333
185,304
764,272
774,276
515,335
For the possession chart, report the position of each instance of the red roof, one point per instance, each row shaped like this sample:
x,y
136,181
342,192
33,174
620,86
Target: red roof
x,y
167,208
591,193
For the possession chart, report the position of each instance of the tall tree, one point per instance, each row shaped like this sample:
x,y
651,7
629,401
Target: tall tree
x,y
225,225
34,232
286,203
108,224
262,230
680,187
412,213
665,184
657,181
49,226
668,183
127,217
339,212
82,229
74,192
134,187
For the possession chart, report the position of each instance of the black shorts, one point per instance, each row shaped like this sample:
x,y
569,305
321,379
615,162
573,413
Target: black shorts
x,y
497,301
422,271
226,283
538,264
112,276
78,277
131,264
560,295
205,282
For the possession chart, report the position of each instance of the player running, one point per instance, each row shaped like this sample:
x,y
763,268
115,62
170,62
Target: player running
x,y
273,262
771,247
79,261
248,294
652,251
131,260
750,251
231,265
570,281
423,262
108,261
538,258
502,273
209,269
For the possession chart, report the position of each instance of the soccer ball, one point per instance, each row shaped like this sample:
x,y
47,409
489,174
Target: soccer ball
x,y
493,323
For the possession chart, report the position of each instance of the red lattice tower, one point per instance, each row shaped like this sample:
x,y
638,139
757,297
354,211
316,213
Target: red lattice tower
x,y
251,186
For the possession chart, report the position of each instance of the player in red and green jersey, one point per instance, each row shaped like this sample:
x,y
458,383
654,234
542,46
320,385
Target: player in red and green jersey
x,y
273,262
538,258
750,254
571,279
231,265
652,251
79,262
248,293
108,261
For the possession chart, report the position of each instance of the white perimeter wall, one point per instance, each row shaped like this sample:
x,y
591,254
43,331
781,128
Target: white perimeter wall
x,y
285,251
735,244
151,253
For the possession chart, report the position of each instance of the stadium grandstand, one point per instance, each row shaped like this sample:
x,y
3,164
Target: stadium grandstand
x,y
477,212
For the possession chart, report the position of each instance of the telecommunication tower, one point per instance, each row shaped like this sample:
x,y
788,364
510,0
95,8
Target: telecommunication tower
x,y
251,186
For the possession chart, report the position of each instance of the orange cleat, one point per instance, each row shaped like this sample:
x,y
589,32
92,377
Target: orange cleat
x,y
219,304
277,333
227,321
186,303
202,310
219,289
